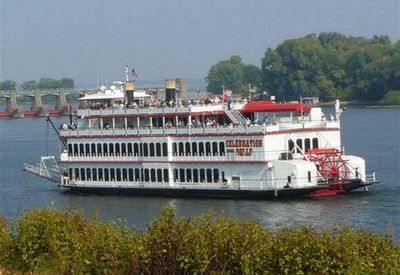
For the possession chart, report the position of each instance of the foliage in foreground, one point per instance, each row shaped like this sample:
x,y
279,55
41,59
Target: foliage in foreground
x,y
51,241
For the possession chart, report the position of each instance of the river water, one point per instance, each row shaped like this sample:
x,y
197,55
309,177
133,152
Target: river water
x,y
373,134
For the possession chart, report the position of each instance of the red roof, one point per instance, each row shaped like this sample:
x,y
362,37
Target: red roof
x,y
269,106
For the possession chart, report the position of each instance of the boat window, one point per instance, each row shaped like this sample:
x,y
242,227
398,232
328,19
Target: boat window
x,y
106,174
93,147
141,149
309,176
223,176
141,175
145,150
112,174
166,176
146,175
289,179
307,144
75,150
187,148
94,174
181,150
202,175
208,149
291,145
151,149
215,148
81,149
222,148
153,175
135,149
201,149
175,175
100,171
69,149
83,174
99,147
130,152
188,175
209,175
299,143
165,149
174,149
159,175
87,149
194,149
137,174
111,149
123,149
105,149
158,149
88,174
182,175
195,175
130,172
117,149
315,143
76,173
70,173
124,174
216,175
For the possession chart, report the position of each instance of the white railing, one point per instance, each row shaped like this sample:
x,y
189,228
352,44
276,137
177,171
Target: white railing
x,y
229,157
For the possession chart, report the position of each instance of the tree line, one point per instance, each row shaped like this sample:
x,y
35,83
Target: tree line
x,y
328,65
42,84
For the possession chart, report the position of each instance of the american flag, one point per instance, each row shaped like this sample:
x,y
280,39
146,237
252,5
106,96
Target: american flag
x,y
227,94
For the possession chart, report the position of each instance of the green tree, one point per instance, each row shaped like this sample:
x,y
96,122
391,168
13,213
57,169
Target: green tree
x,y
29,85
67,83
252,75
332,65
8,85
228,73
49,83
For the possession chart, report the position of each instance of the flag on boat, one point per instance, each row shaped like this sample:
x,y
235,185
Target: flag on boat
x,y
252,88
134,72
227,94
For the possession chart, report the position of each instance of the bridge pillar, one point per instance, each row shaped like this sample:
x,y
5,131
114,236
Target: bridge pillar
x,y
12,106
62,104
37,105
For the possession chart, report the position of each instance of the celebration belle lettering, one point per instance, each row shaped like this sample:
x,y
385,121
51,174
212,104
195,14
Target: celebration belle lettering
x,y
243,147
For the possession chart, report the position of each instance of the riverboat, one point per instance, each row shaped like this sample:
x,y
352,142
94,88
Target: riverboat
x,y
126,141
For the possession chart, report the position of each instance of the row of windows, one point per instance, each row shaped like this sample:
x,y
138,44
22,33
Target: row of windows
x,y
145,175
147,149
303,143
198,175
118,149
198,148
119,174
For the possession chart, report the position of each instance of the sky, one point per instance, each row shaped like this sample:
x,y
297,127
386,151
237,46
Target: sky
x,y
90,39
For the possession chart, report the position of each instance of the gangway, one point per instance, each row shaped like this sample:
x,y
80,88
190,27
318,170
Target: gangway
x,y
47,168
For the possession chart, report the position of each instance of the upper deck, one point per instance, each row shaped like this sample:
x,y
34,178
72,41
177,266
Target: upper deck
x,y
152,121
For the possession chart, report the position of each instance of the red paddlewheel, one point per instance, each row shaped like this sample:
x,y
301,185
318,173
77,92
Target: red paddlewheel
x,y
331,166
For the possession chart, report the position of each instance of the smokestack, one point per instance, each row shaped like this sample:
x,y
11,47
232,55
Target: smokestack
x,y
170,89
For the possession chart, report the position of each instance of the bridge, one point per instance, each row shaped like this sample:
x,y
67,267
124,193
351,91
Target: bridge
x,y
37,108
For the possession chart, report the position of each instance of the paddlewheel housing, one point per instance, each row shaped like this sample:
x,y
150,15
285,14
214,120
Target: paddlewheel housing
x,y
332,169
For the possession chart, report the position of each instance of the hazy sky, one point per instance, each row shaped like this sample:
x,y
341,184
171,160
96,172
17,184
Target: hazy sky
x,y
167,38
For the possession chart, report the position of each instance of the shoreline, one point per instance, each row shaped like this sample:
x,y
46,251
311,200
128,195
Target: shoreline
x,y
360,104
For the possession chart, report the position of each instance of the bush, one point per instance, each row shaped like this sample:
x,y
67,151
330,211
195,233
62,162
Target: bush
x,y
391,98
51,241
